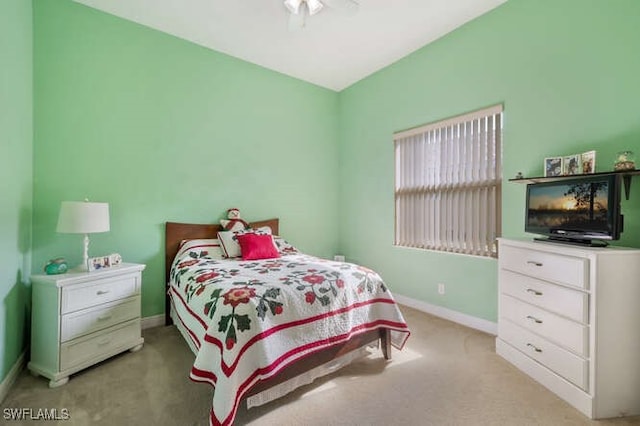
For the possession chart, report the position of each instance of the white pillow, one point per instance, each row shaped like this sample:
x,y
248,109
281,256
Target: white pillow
x,y
201,248
229,241
284,247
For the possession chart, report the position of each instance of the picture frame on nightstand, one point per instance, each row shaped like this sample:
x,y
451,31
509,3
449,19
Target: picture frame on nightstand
x,y
115,259
102,262
96,263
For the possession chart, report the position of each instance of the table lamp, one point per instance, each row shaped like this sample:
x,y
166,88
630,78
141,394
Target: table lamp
x,y
83,217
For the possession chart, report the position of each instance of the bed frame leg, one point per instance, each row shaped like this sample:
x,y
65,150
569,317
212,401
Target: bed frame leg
x,y
167,312
167,307
385,342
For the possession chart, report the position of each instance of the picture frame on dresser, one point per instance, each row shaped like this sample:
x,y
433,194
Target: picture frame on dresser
x,y
588,162
572,165
552,166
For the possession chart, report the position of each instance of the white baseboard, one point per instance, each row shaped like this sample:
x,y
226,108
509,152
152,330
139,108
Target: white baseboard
x,y
448,314
153,321
12,376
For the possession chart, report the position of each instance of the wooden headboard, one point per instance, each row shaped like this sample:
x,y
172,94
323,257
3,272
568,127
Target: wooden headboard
x,y
176,232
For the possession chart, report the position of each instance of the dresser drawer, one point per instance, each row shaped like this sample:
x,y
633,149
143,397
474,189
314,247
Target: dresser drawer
x,y
573,304
572,367
87,321
84,349
570,334
99,291
546,266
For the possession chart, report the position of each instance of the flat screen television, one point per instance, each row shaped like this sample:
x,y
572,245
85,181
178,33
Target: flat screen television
x,y
581,210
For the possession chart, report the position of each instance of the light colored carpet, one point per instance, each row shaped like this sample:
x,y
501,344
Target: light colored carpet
x,y
447,375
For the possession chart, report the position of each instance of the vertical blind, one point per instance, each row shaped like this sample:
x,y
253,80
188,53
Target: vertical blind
x,y
448,184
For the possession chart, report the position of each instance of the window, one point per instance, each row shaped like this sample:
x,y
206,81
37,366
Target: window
x,y
448,184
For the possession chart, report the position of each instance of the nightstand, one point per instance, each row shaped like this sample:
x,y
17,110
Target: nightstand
x,y
81,318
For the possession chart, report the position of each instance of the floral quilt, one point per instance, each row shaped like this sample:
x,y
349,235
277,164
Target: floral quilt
x,y
248,320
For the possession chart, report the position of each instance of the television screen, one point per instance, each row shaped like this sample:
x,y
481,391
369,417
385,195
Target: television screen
x,y
581,208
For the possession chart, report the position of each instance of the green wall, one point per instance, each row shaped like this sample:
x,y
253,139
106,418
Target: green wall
x,y
567,74
16,150
165,130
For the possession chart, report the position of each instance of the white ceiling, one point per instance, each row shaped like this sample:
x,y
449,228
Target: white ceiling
x,y
332,51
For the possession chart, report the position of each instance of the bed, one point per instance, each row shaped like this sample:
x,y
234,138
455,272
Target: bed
x,y
261,328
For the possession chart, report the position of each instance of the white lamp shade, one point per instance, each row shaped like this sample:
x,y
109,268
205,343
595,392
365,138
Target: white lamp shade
x,y
83,217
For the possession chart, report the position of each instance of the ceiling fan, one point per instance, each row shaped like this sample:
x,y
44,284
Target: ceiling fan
x,y
300,9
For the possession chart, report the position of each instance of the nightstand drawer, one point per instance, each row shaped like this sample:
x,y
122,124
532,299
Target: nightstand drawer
x,y
84,349
572,367
100,291
546,266
561,300
87,321
570,334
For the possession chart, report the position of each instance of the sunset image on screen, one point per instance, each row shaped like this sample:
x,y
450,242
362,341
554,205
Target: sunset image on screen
x,y
569,206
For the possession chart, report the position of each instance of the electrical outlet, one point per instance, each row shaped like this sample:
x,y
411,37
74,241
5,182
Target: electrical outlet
x,y
440,288
338,258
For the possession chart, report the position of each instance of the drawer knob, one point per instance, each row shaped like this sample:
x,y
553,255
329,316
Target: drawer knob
x,y
104,317
104,342
534,292
101,292
534,319
533,262
534,347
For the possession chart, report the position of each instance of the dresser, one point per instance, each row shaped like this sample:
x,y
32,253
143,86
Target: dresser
x,y
81,318
569,317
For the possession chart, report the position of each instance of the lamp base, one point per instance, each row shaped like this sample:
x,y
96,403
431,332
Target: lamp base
x,y
84,266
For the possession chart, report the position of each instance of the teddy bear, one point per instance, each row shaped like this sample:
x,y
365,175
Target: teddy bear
x,y
233,221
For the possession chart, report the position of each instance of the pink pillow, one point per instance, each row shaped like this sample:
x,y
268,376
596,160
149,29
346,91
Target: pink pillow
x,y
256,246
